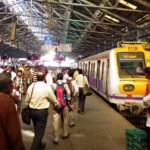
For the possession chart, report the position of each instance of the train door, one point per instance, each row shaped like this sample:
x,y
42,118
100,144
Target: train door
x,y
105,73
98,75
102,83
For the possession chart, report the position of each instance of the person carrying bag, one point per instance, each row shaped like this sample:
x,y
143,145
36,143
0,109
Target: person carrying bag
x,y
86,89
25,114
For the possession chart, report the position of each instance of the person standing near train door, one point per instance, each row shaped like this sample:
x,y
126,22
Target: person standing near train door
x,y
81,82
146,102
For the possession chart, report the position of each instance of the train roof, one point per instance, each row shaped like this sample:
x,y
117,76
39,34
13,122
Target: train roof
x,y
96,56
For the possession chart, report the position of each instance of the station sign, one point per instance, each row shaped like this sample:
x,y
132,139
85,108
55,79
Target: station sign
x,y
48,40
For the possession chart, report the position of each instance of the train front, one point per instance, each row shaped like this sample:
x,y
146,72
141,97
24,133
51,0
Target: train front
x,y
131,81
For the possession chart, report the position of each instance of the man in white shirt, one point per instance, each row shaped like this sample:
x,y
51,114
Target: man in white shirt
x,y
81,82
49,78
39,96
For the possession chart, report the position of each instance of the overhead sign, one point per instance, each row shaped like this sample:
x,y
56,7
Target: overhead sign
x,y
66,47
48,40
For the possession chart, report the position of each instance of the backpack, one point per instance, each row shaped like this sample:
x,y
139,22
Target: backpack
x,y
61,94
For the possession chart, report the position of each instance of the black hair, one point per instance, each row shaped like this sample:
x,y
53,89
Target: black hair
x,y
71,72
40,76
59,76
147,70
20,71
80,71
5,78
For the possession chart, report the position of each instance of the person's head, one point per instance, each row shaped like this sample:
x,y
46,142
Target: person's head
x,y
27,67
50,71
71,73
59,76
80,71
19,73
40,76
5,83
147,72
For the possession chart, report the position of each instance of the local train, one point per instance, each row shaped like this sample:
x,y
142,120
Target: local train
x,y
118,74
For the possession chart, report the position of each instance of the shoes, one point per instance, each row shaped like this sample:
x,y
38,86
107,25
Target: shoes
x,y
66,137
55,142
43,145
82,113
71,125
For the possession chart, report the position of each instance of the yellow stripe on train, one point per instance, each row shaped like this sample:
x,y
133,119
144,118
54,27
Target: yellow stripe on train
x,y
133,87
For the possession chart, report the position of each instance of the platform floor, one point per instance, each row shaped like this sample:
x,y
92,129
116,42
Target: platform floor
x,y
101,128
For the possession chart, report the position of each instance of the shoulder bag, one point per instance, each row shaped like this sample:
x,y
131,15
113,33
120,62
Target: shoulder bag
x,y
86,89
25,114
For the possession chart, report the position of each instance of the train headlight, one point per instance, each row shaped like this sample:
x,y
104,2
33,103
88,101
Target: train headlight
x,y
128,87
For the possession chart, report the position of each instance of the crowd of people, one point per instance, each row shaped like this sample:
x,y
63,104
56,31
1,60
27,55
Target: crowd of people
x,y
41,87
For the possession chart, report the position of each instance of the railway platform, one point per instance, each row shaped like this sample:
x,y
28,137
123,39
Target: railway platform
x,y
100,128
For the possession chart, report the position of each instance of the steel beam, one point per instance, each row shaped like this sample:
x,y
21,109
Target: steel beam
x,y
113,14
143,2
92,6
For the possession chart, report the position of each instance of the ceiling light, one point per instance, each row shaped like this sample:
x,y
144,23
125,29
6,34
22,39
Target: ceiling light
x,y
127,4
111,18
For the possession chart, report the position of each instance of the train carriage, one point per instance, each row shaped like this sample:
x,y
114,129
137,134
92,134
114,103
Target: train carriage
x,y
118,74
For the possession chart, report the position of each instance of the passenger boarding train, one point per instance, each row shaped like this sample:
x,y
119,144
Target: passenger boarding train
x,y
118,74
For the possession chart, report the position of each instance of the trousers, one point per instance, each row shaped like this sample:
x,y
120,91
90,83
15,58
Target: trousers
x,y
81,100
58,121
39,118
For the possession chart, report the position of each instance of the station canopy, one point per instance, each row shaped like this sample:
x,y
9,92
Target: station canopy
x,y
88,26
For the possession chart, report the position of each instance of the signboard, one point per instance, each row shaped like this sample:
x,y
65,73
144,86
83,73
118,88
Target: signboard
x,y
66,47
48,40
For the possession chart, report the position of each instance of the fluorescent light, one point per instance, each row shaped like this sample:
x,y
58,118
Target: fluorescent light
x,y
111,18
127,4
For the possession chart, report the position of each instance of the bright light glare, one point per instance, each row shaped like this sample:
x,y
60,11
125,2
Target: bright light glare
x,y
111,18
23,8
48,57
127,4
67,62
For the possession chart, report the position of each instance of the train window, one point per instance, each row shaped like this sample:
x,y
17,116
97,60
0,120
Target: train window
x,y
102,70
131,64
85,71
93,69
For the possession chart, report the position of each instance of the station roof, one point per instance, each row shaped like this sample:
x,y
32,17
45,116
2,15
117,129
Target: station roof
x,y
91,26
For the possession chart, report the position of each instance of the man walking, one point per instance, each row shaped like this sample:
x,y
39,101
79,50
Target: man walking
x,y
39,96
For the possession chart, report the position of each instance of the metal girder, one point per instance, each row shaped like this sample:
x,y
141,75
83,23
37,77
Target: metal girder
x,y
71,20
92,6
11,5
91,19
67,15
143,2
8,17
113,14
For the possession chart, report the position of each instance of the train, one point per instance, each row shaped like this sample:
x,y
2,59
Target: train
x,y
118,74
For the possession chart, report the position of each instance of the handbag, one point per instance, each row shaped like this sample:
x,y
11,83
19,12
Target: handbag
x,y
25,114
86,89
